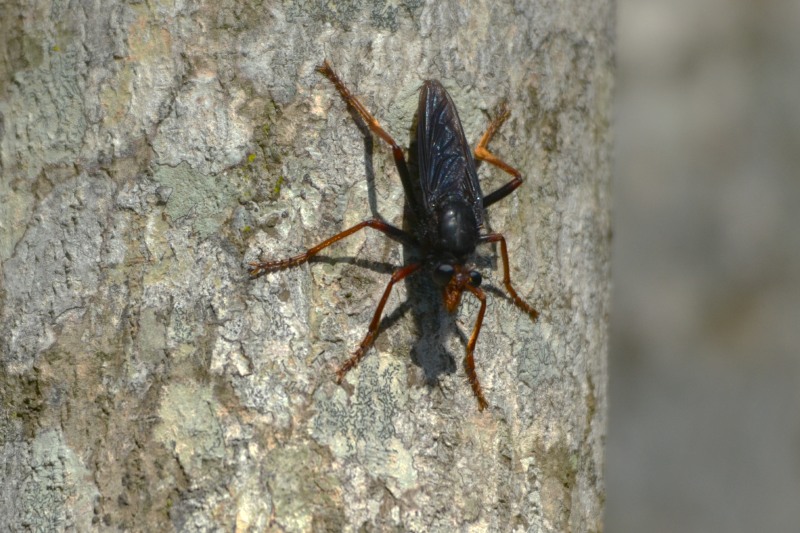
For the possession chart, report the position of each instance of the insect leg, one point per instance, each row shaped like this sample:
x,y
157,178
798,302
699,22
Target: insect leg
x,y
482,153
257,269
399,159
519,302
372,331
326,70
469,364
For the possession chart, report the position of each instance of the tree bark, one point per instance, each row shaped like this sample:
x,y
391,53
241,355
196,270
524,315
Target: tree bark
x,y
149,150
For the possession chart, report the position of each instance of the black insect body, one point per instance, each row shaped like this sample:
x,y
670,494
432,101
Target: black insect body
x,y
448,210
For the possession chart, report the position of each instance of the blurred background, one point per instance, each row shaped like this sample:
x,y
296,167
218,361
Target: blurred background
x,y
704,431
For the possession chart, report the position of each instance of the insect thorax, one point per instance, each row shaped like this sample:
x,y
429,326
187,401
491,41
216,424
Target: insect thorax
x,y
457,228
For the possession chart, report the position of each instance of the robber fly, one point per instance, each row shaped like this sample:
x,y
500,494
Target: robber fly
x,y
447,207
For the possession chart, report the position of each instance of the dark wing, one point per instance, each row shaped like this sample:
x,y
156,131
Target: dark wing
x,y
446,165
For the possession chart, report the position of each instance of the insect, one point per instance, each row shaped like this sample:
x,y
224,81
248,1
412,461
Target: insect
x,y
447,207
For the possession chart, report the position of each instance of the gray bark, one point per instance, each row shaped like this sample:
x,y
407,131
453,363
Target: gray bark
x,y
149,150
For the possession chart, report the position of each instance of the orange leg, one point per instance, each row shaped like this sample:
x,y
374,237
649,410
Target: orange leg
x,y
326,70
372,331
257,269
482,153
519,302
469,362
399,159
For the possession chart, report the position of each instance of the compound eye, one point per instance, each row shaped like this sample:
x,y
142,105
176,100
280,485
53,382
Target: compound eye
x,y
443,273
475,278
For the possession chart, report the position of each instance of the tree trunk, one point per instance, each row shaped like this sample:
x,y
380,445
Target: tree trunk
x,y
149,150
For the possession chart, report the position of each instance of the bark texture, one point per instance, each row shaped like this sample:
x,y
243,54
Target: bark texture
x,y
150,149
